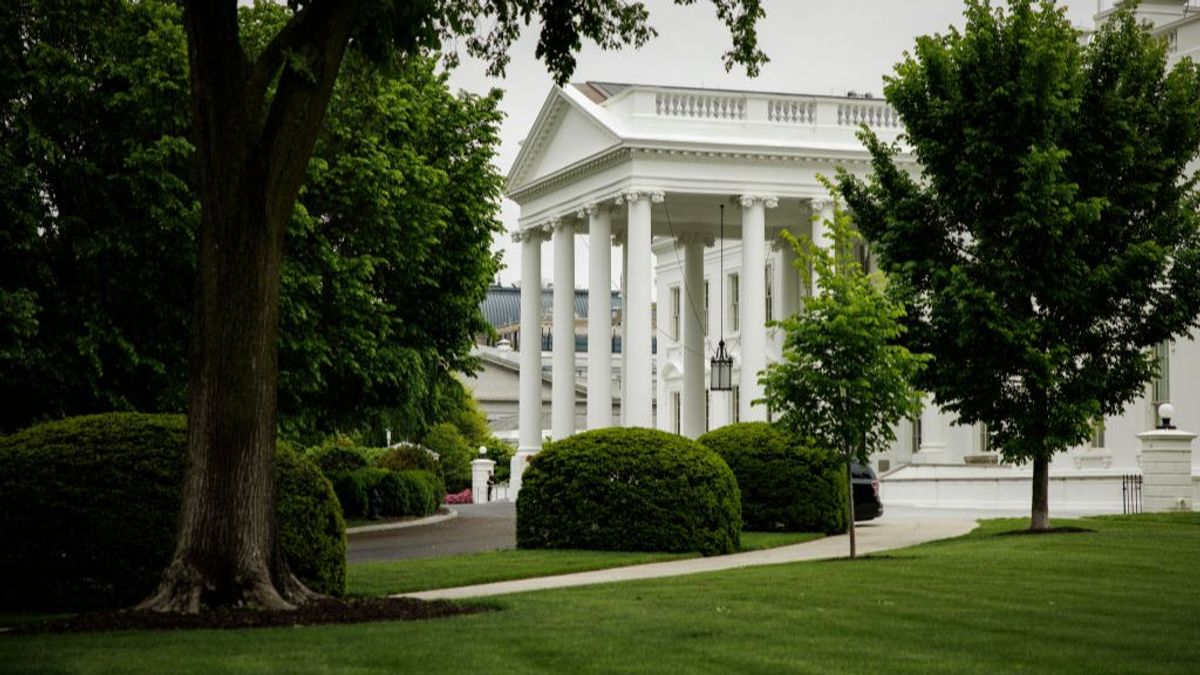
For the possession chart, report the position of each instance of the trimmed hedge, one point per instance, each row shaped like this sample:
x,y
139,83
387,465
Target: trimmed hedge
x,y
406,458
454,455
338,459
629,490
372,490
90,507
784,485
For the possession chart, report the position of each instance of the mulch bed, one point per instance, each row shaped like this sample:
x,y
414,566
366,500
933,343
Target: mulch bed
x,y
319,612
1051,530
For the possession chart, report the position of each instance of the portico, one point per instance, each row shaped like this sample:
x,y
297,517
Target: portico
x,y
649,170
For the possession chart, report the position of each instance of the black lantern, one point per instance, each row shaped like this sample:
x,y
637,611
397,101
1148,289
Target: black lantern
x,y
722,370
721,375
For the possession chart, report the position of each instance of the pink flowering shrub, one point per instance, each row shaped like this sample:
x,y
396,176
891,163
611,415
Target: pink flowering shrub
x,y
463,497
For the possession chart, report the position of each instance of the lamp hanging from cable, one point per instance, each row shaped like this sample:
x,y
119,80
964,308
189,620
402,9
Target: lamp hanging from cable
x,y
722,363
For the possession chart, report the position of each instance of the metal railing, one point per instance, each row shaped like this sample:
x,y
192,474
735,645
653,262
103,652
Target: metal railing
x,y
1131,493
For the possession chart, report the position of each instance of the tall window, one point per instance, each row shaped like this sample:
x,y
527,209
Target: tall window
x,y
1161,384
675,309
916,432
1098,433
985,440
707,406
770,293
706,307
677,409
733,302
737,403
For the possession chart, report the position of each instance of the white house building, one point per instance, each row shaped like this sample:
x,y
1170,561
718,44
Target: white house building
x,y
655,170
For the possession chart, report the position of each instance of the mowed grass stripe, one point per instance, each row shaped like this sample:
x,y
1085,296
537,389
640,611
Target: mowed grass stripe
x,y
1120,600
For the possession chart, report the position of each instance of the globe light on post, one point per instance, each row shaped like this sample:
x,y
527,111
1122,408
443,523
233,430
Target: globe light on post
x,y
482,450
1165,412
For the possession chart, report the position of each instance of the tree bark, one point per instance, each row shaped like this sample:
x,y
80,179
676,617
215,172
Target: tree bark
x,y
252,157
1040,511
850,501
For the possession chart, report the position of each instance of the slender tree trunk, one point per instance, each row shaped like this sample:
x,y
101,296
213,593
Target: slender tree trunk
x,y
850,501
252,157
1040,512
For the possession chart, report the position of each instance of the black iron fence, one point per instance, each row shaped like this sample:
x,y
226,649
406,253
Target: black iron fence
x,y
1131,493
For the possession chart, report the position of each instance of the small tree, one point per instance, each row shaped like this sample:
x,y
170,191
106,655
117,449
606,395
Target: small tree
x,y
843,382
1053,236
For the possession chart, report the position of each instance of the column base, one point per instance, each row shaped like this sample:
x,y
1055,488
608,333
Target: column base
x,y
516,468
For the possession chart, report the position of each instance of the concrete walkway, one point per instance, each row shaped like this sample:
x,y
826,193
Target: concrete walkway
x,y
872,538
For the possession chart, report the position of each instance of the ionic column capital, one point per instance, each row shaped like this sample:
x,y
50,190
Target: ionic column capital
x,y
561,225
705,240
631,196
821,204
767,201
535,233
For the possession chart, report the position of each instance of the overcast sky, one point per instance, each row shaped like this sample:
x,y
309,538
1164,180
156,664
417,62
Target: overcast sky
x,y
815,46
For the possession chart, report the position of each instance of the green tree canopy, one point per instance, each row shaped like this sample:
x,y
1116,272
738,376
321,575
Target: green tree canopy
x,y
844,380
388,250
1051,235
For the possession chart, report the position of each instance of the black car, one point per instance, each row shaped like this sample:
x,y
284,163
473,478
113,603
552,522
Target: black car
x,y
866,493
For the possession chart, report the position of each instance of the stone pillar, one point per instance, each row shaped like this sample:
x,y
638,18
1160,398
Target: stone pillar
x,y
692,403
562,398
752,299
621,240
822,235
638,405
1166,470
599,378
530,401
481,469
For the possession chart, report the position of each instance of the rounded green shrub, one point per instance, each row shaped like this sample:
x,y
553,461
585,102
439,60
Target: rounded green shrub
x,y
351,491
90,507
311,528
784,485
422,490
454,455
406,457
629,490
338,459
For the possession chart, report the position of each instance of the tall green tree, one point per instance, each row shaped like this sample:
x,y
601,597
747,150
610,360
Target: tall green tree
x,y
843,381
256,118
96,290
97,217
1051,236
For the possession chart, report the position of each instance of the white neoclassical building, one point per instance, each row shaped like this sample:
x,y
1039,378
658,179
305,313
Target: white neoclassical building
x,y
651,173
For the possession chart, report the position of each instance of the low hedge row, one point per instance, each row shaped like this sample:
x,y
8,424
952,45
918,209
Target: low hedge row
x,y
784,484
90,507
629,489
373,491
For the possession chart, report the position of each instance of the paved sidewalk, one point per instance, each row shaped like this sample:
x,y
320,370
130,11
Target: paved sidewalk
x,y
872,538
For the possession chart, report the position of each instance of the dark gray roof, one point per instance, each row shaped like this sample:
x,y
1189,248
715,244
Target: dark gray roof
x,y
502,306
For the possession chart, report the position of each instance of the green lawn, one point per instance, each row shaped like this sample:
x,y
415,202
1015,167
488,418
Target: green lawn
x,y
1121,600
403,576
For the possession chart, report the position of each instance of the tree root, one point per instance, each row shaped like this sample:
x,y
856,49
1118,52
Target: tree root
x,y
184,589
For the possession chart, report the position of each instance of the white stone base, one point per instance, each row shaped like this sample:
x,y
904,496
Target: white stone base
x,y
998,487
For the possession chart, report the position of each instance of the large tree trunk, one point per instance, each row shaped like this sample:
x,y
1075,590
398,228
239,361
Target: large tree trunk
x,y
252,157
850,501
1040,511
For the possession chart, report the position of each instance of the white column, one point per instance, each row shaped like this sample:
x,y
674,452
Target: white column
x,y
752,298
693,334
639,374
562,396
822,235
599,397
530,412
622,241
790,289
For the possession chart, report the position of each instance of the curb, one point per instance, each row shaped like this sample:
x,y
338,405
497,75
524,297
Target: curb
x,y
384,527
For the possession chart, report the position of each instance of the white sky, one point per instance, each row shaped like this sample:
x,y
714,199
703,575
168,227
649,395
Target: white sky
x,y
815,46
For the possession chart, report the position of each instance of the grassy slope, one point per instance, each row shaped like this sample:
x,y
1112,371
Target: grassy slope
x,y
1120,600
380,578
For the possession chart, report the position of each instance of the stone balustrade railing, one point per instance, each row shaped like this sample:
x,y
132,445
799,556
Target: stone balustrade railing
x,y
771,109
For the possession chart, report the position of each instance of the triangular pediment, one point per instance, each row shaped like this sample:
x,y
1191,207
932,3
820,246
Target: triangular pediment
x,y
565,133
